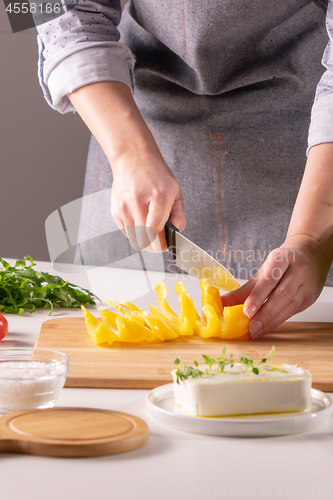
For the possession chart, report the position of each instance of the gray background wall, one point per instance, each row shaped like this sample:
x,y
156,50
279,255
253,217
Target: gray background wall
x,y
42,153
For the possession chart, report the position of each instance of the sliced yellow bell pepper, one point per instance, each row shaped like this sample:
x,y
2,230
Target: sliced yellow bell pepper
x,y
137,315
210,324
216,321
159,327
181,324
186,305
235,323
211,295
129,312
137,325
183,328
134,308
162,293
121,327
97,331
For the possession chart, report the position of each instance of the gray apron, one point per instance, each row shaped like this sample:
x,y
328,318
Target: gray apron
x,y
226,87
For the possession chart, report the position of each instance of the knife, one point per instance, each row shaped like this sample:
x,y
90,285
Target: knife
x,y
195,261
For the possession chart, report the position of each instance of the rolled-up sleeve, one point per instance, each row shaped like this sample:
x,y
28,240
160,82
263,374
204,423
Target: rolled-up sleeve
x,y
82,47
321,126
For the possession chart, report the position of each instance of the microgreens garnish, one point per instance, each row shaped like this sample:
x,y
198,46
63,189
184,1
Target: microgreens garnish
x,y
220,363
187,371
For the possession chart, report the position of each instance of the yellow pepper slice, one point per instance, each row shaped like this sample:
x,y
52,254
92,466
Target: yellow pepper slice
x,y
162,293
120,327
130,328
159,327
134,308
129,312
235,323
183,328
137,315
182,324
210,324
186,305
97,331
211,295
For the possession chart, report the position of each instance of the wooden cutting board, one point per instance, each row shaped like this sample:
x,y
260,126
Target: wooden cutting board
x,y
309,345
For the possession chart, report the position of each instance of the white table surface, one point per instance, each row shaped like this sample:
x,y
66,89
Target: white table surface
x,y
172,463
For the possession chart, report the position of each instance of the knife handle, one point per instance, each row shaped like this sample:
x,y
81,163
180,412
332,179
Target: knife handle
x,y
170,235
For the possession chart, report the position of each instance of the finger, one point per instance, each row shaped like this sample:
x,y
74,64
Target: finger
x,y
120,214
238,296
139,236
128,223
134,215
118,220
293,307
177,215
269,275
144,235
157,245
284,302
115,213
158,214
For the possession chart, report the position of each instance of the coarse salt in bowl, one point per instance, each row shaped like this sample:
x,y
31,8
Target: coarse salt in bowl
x,y
31,378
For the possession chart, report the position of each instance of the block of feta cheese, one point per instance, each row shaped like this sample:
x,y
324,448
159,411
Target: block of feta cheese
x,y
276,389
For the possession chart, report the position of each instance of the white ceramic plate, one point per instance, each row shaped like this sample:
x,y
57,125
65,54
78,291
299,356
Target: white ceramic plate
x,y
161,405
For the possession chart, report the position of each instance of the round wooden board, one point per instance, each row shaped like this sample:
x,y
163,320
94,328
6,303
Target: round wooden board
x,y
71,432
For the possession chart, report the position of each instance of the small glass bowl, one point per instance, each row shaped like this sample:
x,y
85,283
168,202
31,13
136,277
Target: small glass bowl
x,y
31,378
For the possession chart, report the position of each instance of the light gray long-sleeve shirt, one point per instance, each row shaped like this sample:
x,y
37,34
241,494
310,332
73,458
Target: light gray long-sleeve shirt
x,y
82,47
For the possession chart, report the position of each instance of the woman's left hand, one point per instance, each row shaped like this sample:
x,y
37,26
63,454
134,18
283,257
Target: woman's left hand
x,y
289,281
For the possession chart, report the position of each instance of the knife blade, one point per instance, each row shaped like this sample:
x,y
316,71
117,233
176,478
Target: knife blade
x,y
195,261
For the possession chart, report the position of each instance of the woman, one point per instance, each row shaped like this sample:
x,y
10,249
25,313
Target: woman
x,y
218,124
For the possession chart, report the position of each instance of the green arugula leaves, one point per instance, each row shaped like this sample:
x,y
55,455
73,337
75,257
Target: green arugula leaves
x,y
22,288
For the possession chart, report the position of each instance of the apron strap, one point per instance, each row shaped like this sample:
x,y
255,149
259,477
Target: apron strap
x,y
322,3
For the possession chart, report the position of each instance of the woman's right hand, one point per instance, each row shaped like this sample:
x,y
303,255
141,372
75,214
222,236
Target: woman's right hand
x,y
145,195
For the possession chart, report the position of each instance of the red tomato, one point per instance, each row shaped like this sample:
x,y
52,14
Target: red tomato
x,y
3,327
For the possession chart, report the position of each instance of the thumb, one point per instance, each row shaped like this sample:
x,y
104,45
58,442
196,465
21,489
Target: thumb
x,y
238,296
